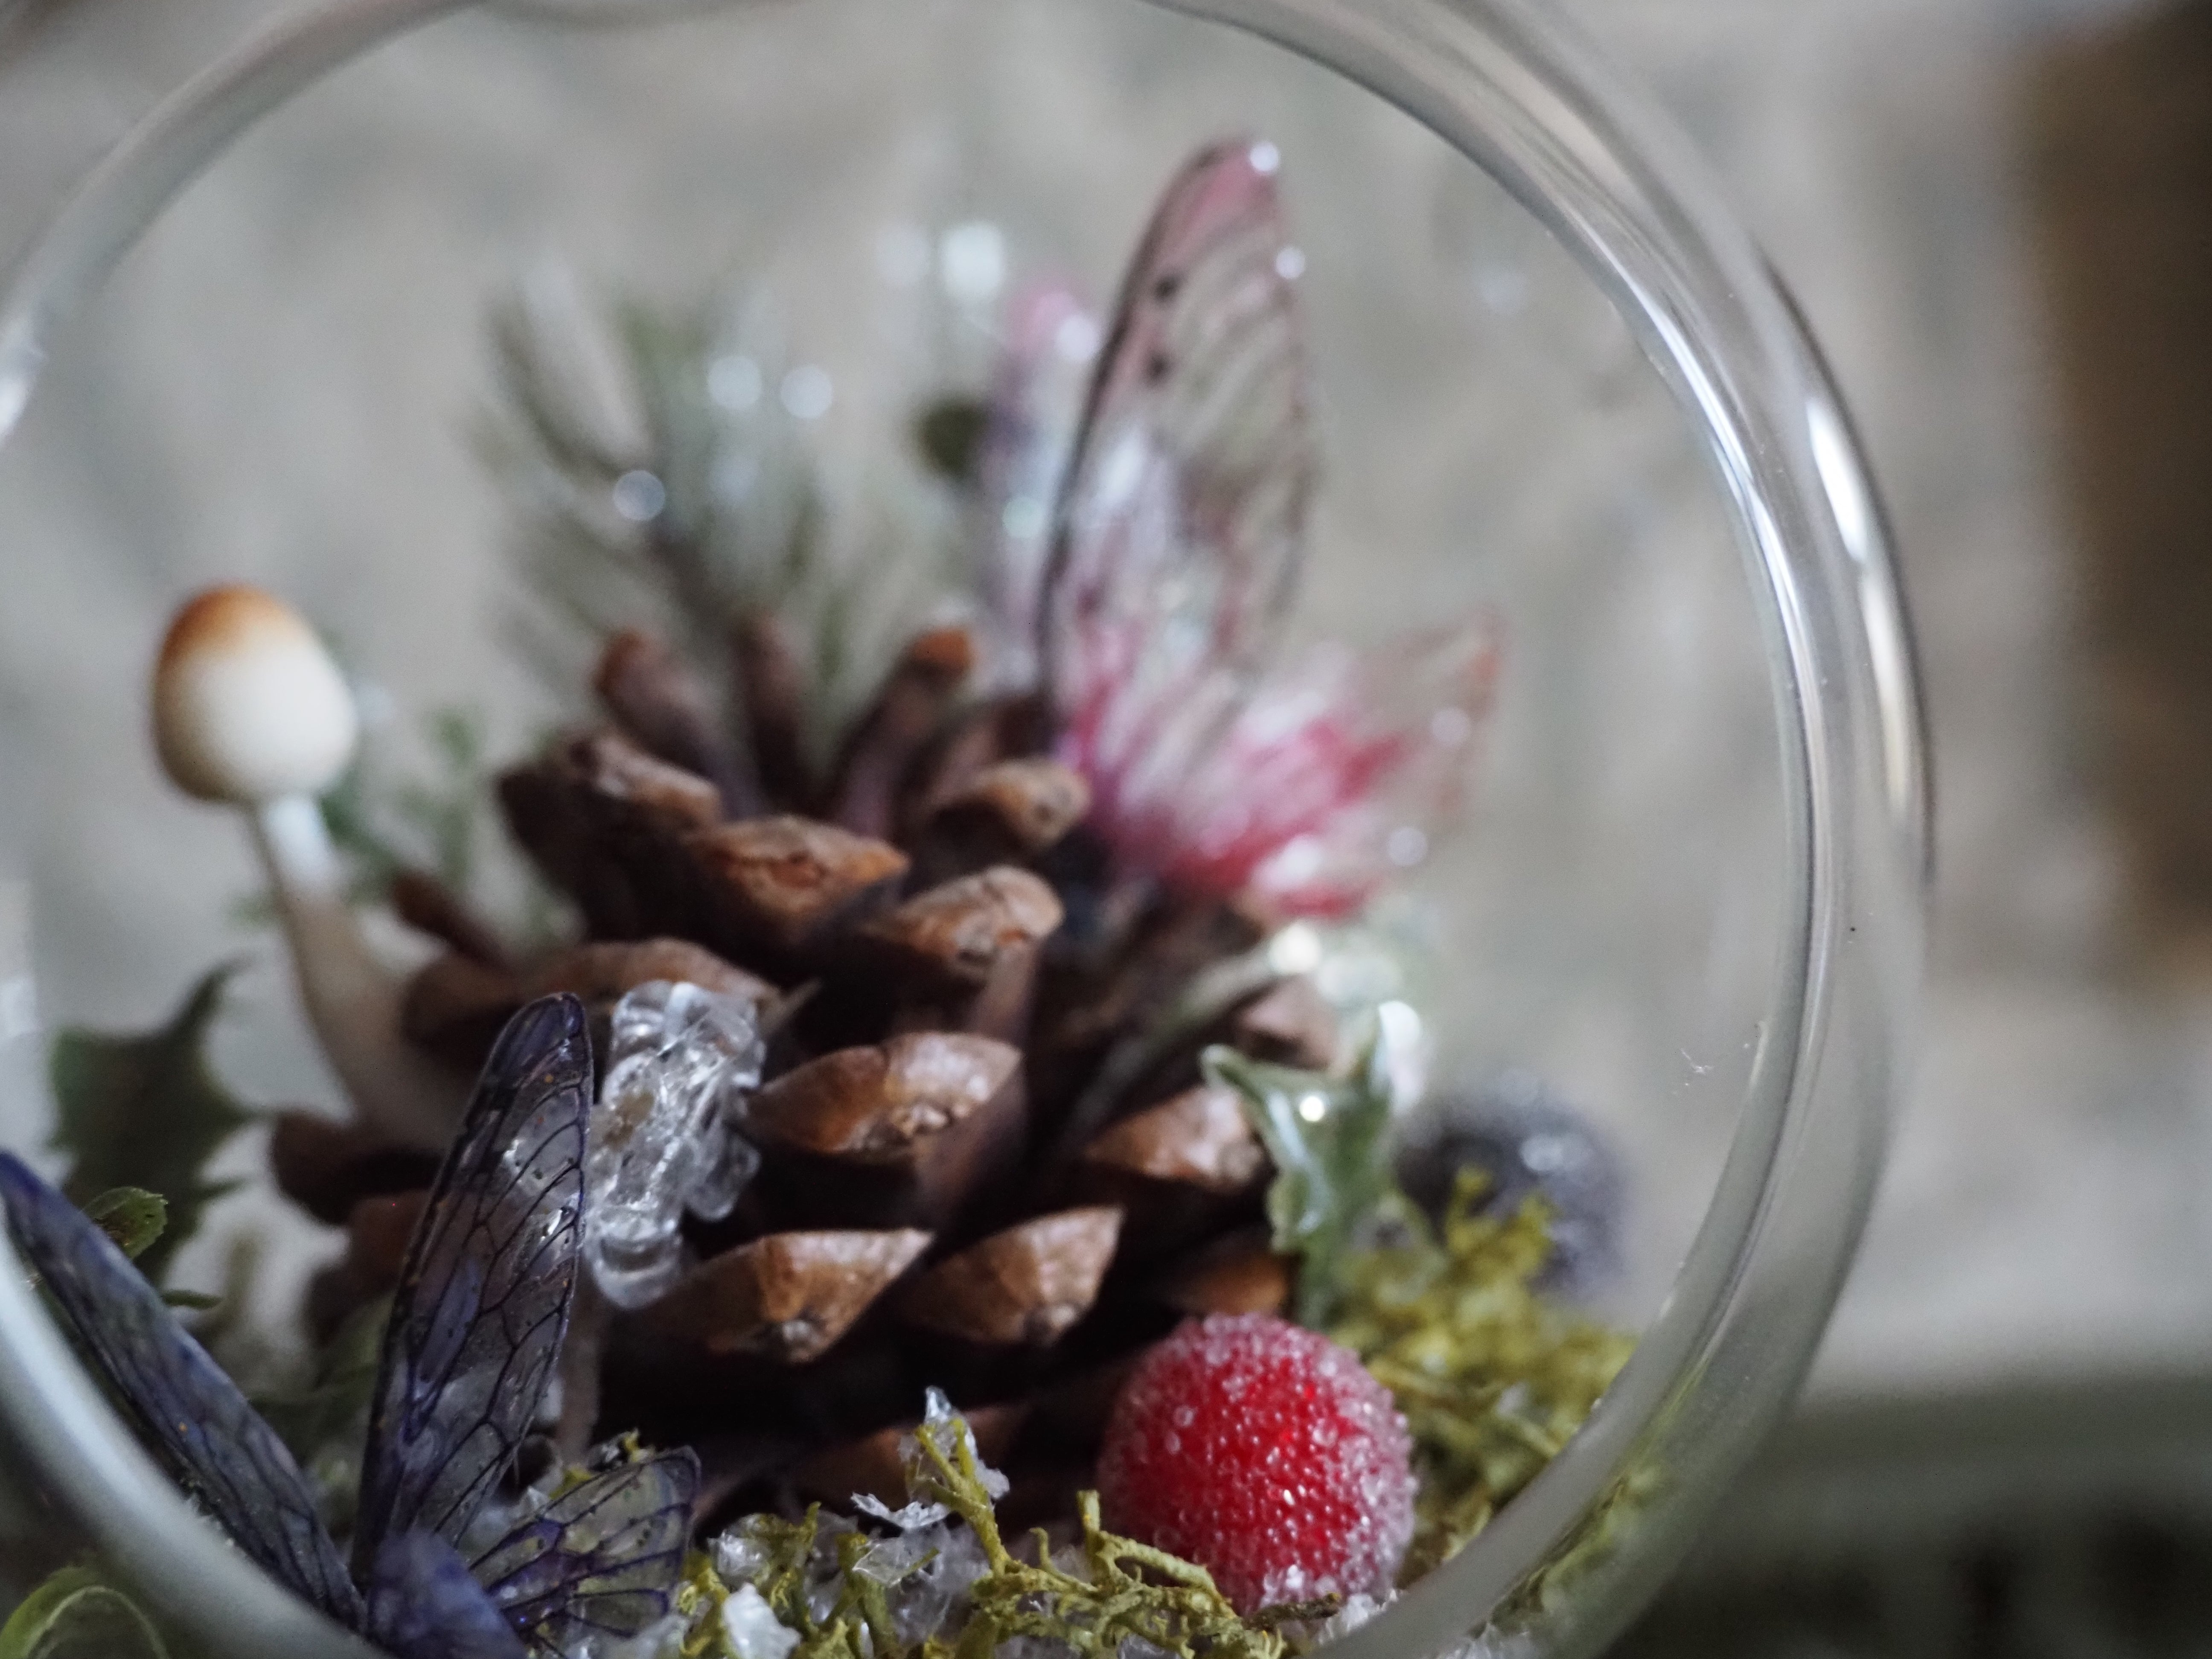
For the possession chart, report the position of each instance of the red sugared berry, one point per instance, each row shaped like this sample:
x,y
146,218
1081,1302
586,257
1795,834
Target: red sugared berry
x,y
1267,1454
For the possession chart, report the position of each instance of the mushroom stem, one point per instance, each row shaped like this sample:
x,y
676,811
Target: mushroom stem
x,y
352,999
251,712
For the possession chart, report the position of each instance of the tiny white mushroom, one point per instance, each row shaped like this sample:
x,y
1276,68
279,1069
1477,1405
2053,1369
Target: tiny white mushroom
x,y
249,710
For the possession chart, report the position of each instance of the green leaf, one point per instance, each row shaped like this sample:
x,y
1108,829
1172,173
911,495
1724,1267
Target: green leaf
x,y
147,1111
74,1614
1330,1141
132,1216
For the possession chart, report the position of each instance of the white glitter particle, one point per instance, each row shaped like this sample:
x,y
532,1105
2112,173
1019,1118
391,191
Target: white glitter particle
x,y
1290,263
1295,950
1313,1108
639,496
1405,846
1265,158
971,261
1450,727
734,382
1077,339
751,1629
806,392
1023,518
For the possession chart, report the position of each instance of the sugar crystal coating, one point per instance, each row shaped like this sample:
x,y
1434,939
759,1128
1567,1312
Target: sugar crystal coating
x,y
1267,1454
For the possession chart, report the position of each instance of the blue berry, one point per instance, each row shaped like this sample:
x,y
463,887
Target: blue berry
x,y
1527,1139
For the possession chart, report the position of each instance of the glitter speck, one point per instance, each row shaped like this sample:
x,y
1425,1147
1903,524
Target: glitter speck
x,y
1290,263
971,262
1265,158
1076,338
1023,518
806,392
1295,950
1452,728
1313,1108
734,382
639,496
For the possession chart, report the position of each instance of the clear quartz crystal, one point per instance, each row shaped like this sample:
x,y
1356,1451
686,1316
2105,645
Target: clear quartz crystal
x,y
922,1601
751,1629
921,1476
681,1061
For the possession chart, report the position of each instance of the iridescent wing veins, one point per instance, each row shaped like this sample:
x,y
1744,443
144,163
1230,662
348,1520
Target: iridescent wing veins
x,y
214,1442
1180,534
601,1560
1043,374
424,1604
483,1297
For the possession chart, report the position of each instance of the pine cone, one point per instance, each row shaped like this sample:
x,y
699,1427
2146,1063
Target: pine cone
x,y
988,1161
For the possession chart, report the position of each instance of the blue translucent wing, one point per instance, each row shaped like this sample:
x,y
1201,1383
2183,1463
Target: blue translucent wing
x,y
212,1440
423,1604
483,1297
601,1560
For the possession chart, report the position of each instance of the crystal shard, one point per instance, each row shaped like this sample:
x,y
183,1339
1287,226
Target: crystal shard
x,y
681,1060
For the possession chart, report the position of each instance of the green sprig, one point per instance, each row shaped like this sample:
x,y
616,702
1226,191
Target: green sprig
x,y
1330,1140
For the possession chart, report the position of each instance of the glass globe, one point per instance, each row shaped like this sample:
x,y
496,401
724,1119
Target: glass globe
x,y
1552,382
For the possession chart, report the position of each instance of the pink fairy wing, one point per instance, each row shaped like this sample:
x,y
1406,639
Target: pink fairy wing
x,y
1338,771
1177,542
1036,398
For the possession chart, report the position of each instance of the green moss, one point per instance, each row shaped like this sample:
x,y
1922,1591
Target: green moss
x,y
1132,1592
1119,1591
1493,1376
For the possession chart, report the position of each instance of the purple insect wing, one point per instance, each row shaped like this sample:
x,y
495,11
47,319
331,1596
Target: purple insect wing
x,y
483,1296
600,1560
194,1415
1179,536
424,1603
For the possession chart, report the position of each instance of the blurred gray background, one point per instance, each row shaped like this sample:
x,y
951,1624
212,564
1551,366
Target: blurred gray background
x,y
1998,215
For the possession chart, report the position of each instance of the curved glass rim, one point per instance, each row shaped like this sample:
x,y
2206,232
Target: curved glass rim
x,y
1526,100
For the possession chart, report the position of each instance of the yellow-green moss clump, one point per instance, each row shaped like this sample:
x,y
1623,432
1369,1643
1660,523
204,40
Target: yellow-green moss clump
x,y
1493,1376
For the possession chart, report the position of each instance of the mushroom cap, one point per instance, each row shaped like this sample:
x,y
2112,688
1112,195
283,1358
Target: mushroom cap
x,y
248,707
